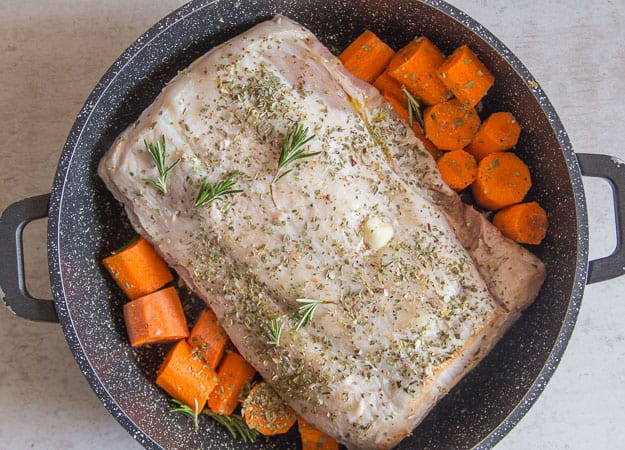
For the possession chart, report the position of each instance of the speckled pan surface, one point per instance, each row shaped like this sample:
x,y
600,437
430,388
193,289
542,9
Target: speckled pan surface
x,y
85,223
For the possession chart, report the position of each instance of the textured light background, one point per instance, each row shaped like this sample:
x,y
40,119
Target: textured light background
x,y
52,54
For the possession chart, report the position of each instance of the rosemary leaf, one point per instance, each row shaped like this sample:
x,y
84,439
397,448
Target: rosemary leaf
x,y
293,149
158,151
275,330
414,108
235,424
184,409
305,313
293,146
209,192
282,175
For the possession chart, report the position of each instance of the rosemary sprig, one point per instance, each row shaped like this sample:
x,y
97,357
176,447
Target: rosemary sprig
x,y
305,312
303,315
209,192
158,151
414,108
184,409
236,425
275,330
293,149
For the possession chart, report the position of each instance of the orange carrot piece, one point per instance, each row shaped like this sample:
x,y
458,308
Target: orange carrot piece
x,y
429,146
388,87
402,55
502,180
313,439
402,111
499,132
155,318
449,125
466,76
208,338
138,269
416,67
367,56
234,373
458,169
185,377
525,223
265,412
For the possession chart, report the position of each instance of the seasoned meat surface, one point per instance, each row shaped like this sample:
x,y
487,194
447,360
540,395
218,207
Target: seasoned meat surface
x,y
412,286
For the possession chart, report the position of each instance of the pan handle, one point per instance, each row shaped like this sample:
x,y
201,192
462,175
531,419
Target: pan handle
x,y
12,279
613,170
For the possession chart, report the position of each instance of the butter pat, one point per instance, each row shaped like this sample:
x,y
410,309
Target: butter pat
x,y
377,233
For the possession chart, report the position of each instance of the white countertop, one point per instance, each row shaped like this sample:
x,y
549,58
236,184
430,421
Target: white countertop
x,y
53,53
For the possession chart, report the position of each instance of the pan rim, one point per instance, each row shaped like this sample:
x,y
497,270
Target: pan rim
x,y
140,44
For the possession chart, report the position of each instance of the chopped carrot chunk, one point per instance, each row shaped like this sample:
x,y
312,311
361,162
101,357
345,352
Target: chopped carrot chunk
x,y
415,66
234,374
458,169
138,269
155,318
466,76
525,223
367,56
185,377
499,132
313,439
449,125
502,180
209,338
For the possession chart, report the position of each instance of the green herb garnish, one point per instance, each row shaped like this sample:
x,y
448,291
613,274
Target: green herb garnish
x,y
275,330
414,108
184,409
305,312
293,149
236,425
303,315
159,154
209,192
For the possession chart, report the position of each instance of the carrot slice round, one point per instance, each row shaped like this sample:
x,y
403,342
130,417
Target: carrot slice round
x,y
458,169
264,411
502,180
450,126
499,132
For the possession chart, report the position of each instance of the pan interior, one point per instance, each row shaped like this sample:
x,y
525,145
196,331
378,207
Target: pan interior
x,y
86,223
